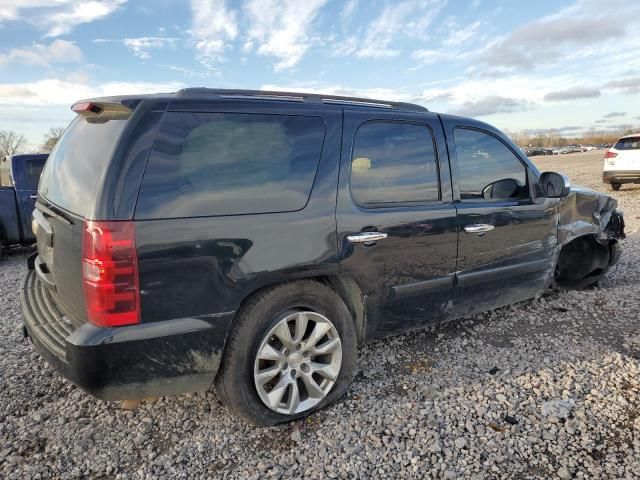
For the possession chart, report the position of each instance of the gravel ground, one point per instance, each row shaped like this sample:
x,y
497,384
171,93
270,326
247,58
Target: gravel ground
x,y
547,388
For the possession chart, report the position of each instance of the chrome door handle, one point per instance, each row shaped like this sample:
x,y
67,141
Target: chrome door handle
x,y
479,228
366,237
33,197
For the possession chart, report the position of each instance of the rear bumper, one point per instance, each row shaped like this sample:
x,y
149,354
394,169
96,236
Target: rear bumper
x,y
621,176
134,362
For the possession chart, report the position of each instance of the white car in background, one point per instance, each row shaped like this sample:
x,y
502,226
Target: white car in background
x,y
622,162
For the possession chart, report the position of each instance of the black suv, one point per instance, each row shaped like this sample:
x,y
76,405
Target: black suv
x,y
255,239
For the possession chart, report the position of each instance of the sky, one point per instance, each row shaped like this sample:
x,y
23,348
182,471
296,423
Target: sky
x,y
522,66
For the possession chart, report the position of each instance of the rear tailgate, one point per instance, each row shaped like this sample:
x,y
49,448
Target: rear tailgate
x,y
628,154
66,197
59,261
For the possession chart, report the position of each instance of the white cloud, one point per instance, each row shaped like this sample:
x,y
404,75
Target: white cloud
x,y
348,8
489,105
54,91
280,28
572,94
213,25
141,46
409,18
58,17
587,28
58,51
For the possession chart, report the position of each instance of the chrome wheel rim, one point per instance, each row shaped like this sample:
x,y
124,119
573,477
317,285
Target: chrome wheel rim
x,y
297,363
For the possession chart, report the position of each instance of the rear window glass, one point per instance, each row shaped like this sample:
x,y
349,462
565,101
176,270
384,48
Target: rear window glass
x,y
76,163
32,169
206,164
631,143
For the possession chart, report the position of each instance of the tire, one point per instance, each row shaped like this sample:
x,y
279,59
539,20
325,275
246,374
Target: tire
x,y
616,186
236,385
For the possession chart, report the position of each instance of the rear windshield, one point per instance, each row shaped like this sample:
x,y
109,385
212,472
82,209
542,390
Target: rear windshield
x,y
31,169
206,164
630,143
76,163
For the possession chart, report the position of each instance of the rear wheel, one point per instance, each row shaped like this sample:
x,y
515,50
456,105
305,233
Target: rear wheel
x,y
292,350
616,186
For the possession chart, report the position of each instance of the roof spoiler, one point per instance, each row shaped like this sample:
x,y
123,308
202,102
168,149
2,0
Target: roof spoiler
x,y
99,112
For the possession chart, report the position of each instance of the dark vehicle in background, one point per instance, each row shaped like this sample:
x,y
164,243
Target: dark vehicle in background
x,y
255,239
534,152
19,175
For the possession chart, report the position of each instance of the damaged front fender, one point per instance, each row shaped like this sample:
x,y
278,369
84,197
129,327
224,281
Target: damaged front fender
x,y
589,227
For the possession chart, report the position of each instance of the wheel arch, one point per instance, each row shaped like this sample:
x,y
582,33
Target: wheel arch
x,y
582,257
344,286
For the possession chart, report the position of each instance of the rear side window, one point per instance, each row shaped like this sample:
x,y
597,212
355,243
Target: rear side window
x,y
630,143
76,163
206,164
487,169
394,163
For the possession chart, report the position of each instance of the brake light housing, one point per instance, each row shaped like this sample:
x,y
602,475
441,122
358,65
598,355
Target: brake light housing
x,y
610,154
110,273
86,108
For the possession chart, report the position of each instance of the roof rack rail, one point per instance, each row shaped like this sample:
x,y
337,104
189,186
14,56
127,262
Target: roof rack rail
x,y
300,97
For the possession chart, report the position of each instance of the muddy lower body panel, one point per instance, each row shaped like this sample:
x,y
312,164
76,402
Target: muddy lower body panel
x,y
133,362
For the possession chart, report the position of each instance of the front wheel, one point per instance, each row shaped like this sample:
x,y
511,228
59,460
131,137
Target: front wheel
x,y
616,186
291,351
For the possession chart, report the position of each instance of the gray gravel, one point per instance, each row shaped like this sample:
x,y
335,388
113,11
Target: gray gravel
x,y
547,388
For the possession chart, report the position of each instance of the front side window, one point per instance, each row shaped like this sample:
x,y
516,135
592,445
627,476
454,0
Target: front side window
x,y
487,169
205,164
394,163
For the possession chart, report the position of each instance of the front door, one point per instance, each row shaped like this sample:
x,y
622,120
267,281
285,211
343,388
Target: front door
x,y
506,238
397,228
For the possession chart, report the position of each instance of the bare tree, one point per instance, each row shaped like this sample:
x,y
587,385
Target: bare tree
x,y
51,138
11,143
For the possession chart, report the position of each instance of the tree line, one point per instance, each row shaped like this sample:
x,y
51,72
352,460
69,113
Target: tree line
x,y
553,138
12,143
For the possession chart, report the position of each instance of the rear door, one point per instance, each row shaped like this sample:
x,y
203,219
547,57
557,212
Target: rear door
x,y
506,238
397,228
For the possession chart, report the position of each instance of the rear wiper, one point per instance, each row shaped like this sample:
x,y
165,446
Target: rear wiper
x,y
54,211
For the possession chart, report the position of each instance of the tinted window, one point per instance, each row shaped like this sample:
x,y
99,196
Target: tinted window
x,y
631,143
483,160
226,163
394,162
76,163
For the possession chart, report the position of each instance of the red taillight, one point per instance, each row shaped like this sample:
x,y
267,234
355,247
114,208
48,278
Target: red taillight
x,y
610,154
110,273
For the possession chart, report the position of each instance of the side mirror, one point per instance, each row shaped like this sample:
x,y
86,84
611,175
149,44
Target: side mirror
x,y
501,189
554,185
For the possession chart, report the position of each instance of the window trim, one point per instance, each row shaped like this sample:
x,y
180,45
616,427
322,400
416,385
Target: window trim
x,y
388,205
515,201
